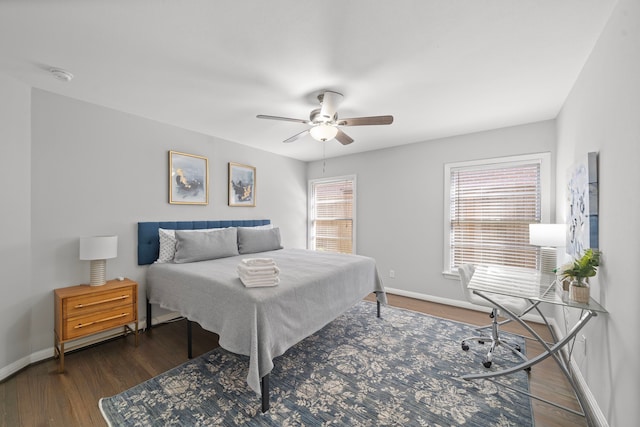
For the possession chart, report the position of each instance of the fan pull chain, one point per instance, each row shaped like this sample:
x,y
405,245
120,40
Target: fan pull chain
x,y
324,160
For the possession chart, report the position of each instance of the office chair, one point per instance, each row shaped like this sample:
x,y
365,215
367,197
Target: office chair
x,y
517,306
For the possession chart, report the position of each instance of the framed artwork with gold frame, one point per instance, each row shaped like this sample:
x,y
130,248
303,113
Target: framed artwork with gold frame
x,y
242,185
188,179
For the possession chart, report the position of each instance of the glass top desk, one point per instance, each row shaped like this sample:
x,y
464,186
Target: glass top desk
x,y
536,288
524,283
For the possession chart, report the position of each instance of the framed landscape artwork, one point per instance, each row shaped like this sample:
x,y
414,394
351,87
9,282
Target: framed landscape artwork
x,y
188,179
242,185
582,206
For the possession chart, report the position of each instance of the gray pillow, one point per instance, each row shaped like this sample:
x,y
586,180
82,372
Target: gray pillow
x,y
252,240
191,247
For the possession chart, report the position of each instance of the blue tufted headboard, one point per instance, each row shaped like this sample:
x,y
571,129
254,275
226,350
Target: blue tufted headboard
x,y
149,242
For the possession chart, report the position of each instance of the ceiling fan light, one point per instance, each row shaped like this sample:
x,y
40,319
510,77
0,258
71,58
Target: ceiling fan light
x,y
323,132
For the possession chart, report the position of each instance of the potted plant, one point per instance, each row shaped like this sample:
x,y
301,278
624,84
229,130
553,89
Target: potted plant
x,y
579,272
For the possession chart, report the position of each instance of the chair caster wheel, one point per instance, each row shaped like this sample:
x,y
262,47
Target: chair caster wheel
x,y
517,347
528,370
465,346
487,363
480,342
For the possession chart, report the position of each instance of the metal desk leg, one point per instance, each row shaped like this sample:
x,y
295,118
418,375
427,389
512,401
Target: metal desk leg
x,y
549,351
539,358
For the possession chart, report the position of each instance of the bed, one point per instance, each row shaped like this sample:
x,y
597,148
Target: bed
x,y
262,323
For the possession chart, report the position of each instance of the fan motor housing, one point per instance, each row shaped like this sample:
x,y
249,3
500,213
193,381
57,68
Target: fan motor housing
x,y
316,117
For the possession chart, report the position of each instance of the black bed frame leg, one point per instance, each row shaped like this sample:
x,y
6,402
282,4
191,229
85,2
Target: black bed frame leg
x,y
149,321
189,339
264,389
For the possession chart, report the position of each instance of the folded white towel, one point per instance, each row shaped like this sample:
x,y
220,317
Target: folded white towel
x,y
251,271
246,277
256,272
258,261
256,283
260,279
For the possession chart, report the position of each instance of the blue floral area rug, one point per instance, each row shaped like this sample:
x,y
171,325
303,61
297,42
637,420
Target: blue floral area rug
x,y
403,369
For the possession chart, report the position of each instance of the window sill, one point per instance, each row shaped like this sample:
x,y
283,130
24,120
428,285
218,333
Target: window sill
x,y
451,275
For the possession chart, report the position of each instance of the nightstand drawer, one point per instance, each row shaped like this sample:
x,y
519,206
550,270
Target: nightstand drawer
x,y
99,301
96,322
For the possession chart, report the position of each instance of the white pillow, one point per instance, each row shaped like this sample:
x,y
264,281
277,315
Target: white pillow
x,y
167,245
167,237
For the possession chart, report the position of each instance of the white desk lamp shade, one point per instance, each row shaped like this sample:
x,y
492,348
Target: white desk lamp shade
x,y
548,237
98,249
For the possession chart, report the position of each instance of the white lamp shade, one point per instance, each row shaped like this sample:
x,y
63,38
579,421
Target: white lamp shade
x,y
98,247
323,132
548,235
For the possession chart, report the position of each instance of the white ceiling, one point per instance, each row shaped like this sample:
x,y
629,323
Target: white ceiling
x,y
440,67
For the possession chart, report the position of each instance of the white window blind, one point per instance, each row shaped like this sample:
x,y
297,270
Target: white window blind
x,y
491,208
331,213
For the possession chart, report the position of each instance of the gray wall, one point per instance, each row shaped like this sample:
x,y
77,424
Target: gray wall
x,y
400,201
87,170
15,213
602,114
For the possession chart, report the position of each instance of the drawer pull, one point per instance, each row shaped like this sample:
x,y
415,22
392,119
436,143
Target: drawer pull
x,y
122,297
84,325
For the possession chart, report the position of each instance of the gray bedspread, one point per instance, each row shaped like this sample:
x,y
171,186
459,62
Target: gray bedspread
x,y
262,323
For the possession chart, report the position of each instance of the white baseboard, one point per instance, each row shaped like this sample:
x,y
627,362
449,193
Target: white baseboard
x,y
167,317
597,416
430,298
48,353
22,363
452,302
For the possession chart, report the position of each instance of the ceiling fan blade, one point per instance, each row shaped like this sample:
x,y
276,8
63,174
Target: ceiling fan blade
x,y
297,136
365,121
343,138
330,102
285,119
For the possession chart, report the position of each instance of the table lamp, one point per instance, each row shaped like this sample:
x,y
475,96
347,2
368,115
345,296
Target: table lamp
x,y
98,249
548,237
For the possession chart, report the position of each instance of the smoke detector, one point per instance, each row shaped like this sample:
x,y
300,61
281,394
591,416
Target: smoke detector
x,y
60,74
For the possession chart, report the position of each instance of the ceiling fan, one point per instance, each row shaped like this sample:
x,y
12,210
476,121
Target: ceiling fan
x,y
325,123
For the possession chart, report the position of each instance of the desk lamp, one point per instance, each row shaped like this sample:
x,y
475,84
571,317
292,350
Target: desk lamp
x,y
98,249
548,237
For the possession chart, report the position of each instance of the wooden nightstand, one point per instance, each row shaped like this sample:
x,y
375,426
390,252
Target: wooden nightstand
x,y
85,310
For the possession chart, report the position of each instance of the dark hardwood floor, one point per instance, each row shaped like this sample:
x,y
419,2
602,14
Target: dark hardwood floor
x,y
39,396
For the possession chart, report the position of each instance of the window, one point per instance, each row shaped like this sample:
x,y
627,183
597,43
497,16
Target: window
x,y
488,208
331,214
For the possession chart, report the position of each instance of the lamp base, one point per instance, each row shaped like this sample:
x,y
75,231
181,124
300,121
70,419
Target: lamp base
x,y
547,259
97,272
